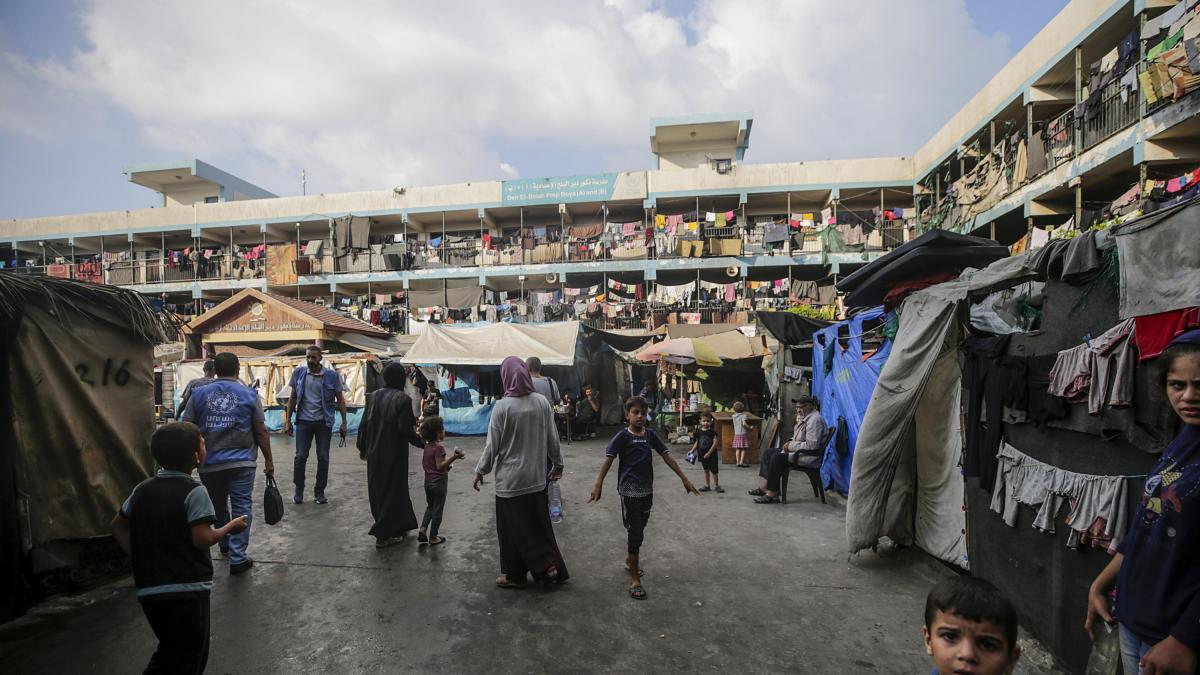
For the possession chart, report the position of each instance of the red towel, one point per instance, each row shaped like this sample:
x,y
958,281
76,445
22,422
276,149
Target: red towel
x,y
1153,333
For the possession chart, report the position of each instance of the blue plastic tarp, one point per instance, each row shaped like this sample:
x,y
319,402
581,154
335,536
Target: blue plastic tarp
x,y
843,383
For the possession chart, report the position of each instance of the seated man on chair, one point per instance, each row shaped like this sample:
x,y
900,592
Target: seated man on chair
x,y
803,450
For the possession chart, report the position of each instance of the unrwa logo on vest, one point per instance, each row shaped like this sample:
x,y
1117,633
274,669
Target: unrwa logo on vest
x,y
222,403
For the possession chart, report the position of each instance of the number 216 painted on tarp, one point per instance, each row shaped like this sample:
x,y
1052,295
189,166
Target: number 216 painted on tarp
x,y
118,376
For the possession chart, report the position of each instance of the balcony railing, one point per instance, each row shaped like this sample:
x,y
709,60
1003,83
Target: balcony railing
x,y
1113,109
1060,139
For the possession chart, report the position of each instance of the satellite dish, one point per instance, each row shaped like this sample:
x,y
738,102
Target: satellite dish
x,y
552,278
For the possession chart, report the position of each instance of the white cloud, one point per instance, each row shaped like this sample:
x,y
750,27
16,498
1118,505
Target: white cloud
x,y
509,170
373,94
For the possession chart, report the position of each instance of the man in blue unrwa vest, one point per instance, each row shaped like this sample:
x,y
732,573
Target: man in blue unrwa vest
x,y
316,393
230,417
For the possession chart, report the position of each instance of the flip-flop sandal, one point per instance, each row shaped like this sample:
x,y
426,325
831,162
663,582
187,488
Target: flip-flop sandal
x,y
766,500
637,592
756,492
705,489
437,540
503,582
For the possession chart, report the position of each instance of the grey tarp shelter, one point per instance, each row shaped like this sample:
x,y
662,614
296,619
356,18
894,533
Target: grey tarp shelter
x,y
905,480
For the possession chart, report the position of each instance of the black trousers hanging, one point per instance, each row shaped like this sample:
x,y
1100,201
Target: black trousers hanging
x,y
984,378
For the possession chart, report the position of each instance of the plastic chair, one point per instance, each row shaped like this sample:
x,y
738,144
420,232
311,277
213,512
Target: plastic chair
x,y
813,472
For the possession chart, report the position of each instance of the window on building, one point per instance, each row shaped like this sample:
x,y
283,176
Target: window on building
x,y
210,200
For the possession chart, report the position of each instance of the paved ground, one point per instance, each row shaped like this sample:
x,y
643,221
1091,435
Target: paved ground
x,y
733,586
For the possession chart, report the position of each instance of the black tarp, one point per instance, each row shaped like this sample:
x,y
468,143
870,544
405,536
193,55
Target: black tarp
x,y
790,329
934,239
625,343
919,264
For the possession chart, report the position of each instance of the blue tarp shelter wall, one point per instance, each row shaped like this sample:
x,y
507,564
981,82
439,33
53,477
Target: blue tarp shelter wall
x,y
844,390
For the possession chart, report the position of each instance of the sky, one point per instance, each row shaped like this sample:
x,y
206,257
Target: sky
x,y
376,94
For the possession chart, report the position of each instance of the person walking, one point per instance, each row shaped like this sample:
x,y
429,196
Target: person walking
x,y
521,440
316,392
210,374
387,429
230,417
546,386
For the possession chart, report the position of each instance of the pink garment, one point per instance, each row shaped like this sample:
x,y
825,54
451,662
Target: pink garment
x,y
730,291
1173,185
629,229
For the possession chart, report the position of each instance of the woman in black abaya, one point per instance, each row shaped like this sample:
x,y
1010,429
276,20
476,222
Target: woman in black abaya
x,y
387,428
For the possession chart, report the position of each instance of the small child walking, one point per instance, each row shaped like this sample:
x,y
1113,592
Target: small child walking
x,y
166,526
705,448
437,466
636,445
741,439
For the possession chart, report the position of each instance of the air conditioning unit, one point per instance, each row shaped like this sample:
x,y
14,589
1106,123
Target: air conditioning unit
x,y
723,166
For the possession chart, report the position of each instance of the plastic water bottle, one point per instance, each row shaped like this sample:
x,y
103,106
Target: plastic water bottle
x,y
556,507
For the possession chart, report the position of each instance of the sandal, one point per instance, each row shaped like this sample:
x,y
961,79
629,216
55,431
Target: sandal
x,y
437,540
757,492
637,592
705,489
765,499
552,574
503,582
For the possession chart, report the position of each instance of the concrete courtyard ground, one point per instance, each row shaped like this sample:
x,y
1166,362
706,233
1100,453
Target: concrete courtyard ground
x,y
733,587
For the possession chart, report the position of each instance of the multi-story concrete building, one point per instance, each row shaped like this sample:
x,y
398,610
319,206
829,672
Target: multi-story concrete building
x,y
1093,106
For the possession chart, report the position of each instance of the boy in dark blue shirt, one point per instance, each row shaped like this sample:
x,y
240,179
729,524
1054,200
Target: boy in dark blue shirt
x,y
166,527
636,445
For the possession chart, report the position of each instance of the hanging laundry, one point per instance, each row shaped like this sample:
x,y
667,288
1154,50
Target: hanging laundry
x,y
710,217
1097,516
1083,372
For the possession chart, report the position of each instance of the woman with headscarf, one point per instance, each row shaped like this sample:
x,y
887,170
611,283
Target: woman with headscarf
x,y
387,427
1156,571
522,442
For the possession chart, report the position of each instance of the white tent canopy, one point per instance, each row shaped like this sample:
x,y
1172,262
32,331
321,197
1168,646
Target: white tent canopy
x,y
553,343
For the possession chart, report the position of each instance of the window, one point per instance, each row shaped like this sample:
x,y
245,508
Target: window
x,y
211,200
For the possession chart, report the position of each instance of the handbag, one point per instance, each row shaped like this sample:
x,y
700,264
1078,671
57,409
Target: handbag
x,y
272,502
691,457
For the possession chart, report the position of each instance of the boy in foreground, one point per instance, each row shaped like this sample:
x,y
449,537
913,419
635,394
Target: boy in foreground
x,y
970,627
166,527
636,445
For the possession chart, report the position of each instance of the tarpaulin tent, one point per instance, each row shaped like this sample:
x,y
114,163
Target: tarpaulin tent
x,y
76,413
789,328
488,345
905,481
843,382
485,346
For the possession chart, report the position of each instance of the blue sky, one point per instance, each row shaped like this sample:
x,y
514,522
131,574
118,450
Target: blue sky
x,y
368,97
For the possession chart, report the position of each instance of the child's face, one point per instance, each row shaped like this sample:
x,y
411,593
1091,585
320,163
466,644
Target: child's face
x,y
706,422
964,647
636,417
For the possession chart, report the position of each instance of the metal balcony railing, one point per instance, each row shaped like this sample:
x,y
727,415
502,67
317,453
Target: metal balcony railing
x,y
1113,109
1060,139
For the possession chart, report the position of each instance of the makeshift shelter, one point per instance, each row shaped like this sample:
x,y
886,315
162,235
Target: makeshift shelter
x,y
613,367
254,324
844,378
77,399
469,357
905,481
